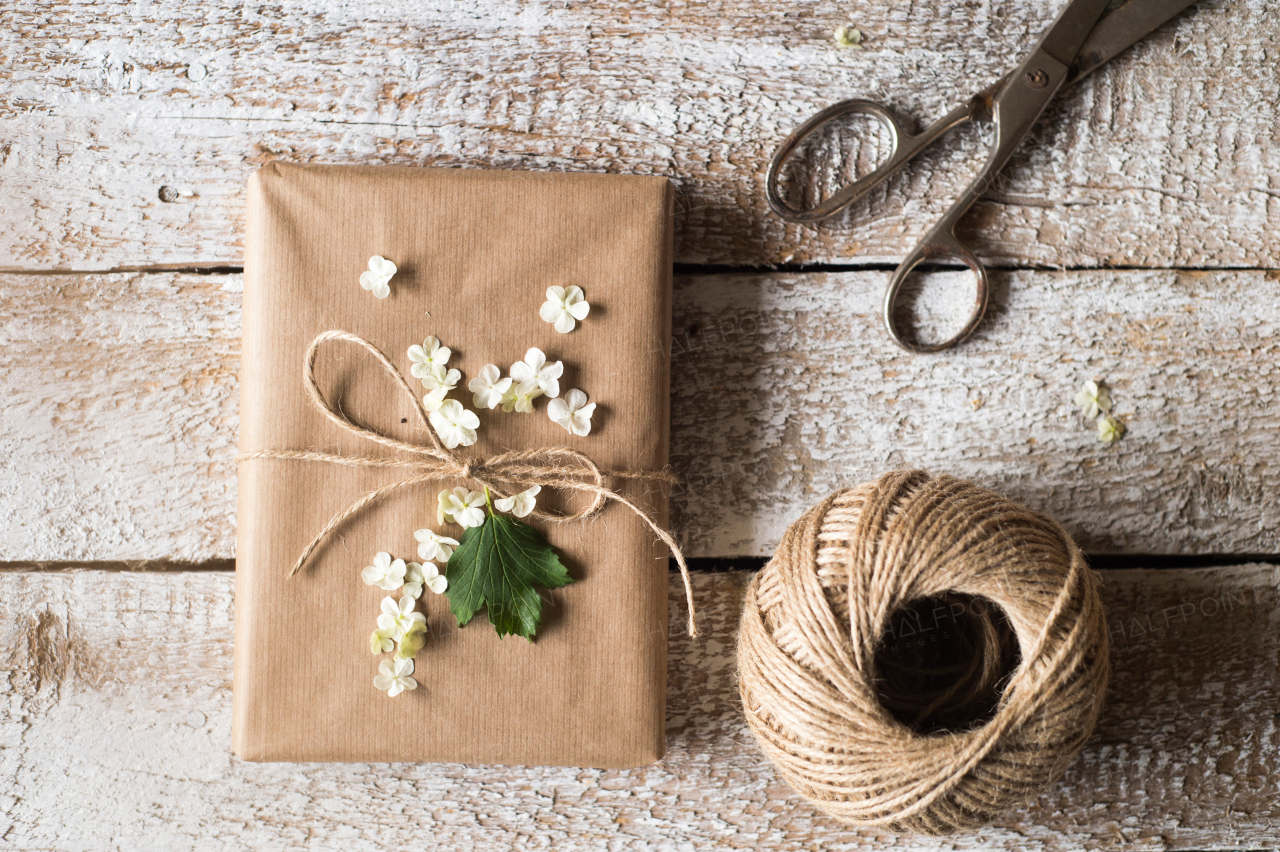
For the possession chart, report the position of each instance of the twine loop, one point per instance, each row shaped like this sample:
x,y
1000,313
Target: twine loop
x,y
817,624
561,468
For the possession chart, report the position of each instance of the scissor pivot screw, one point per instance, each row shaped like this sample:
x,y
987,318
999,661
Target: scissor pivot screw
x,y
1037,79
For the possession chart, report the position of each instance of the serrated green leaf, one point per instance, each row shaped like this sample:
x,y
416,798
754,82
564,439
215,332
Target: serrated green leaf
x,y
497,566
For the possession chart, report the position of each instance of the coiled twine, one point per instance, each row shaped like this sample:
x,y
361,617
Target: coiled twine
x,y
818,654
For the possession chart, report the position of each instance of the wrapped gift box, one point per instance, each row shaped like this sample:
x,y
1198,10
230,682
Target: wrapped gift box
x,y
476,252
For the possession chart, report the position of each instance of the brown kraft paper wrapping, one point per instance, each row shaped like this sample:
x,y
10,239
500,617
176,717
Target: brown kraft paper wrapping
x,y
476,251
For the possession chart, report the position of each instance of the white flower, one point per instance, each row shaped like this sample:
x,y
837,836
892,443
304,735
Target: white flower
x,y
454,424
434,580
1093,399
441,380
489,387
432,401
432,546
381,642
520,398
384,573
520,504
438,385
420,575
463,507
412,641
573,412
535,376
412,581
428,358
848,37
397,618
394,677
563,306
1109,430
378,277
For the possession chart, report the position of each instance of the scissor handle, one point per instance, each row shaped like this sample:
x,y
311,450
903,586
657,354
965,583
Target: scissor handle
x,y
938,244
903,148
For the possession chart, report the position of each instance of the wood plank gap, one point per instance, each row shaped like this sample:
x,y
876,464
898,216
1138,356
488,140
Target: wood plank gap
x,y
129,565
679,269
154,268
697,565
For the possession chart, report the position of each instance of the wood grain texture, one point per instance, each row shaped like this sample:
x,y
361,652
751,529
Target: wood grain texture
x,y
115,727
117,437
127,133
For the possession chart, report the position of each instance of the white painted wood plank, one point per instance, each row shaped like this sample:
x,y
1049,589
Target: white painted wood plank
x,y
115,730
118,432
1166,159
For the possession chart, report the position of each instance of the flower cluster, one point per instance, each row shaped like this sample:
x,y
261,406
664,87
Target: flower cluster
x,y
400,627
455,425
1094,401
527,380
466,509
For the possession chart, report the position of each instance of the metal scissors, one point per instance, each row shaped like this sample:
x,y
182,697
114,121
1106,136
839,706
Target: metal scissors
x,y
1078,42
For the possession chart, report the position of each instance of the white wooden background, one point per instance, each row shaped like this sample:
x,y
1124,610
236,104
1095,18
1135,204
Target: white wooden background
x,y
1136,236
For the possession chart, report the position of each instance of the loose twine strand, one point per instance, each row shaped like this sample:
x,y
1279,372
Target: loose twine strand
x,y
815,617
550,467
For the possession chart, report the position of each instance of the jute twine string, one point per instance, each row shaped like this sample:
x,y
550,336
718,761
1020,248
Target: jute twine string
x,y
816,616
550,467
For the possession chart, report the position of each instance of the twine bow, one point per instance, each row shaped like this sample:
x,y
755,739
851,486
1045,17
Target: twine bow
x,y
550,467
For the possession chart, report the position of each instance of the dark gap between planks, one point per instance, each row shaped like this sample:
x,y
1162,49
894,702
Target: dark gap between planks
x,y
701,565
685,269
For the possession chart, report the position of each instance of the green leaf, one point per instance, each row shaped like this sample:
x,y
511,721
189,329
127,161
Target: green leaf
x,y
496,566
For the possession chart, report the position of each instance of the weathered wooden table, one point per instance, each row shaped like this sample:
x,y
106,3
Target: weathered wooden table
x,y
1135,235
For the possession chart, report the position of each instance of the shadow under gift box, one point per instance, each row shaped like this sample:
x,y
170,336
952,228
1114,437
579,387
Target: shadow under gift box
x,y
476,251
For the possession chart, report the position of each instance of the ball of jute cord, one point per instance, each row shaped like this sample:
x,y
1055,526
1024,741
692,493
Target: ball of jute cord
x,y
816,615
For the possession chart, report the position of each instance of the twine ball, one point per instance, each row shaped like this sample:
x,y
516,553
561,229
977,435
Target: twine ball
x,y
825,698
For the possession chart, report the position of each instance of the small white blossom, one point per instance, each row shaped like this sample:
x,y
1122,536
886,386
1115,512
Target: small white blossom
x,y
381,642
378,277
573,412
848,37
440,379
424,575
489,387
438,384
385,573
563,306
520,504
520,398
394,677
1093,399
429,358
397,618
412,581
1109,430
412,641
433,579
433,546
463,507
432,401
454,424
535,373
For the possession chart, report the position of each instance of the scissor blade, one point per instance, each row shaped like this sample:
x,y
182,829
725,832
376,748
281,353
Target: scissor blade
x,y
1071,29
1120,30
